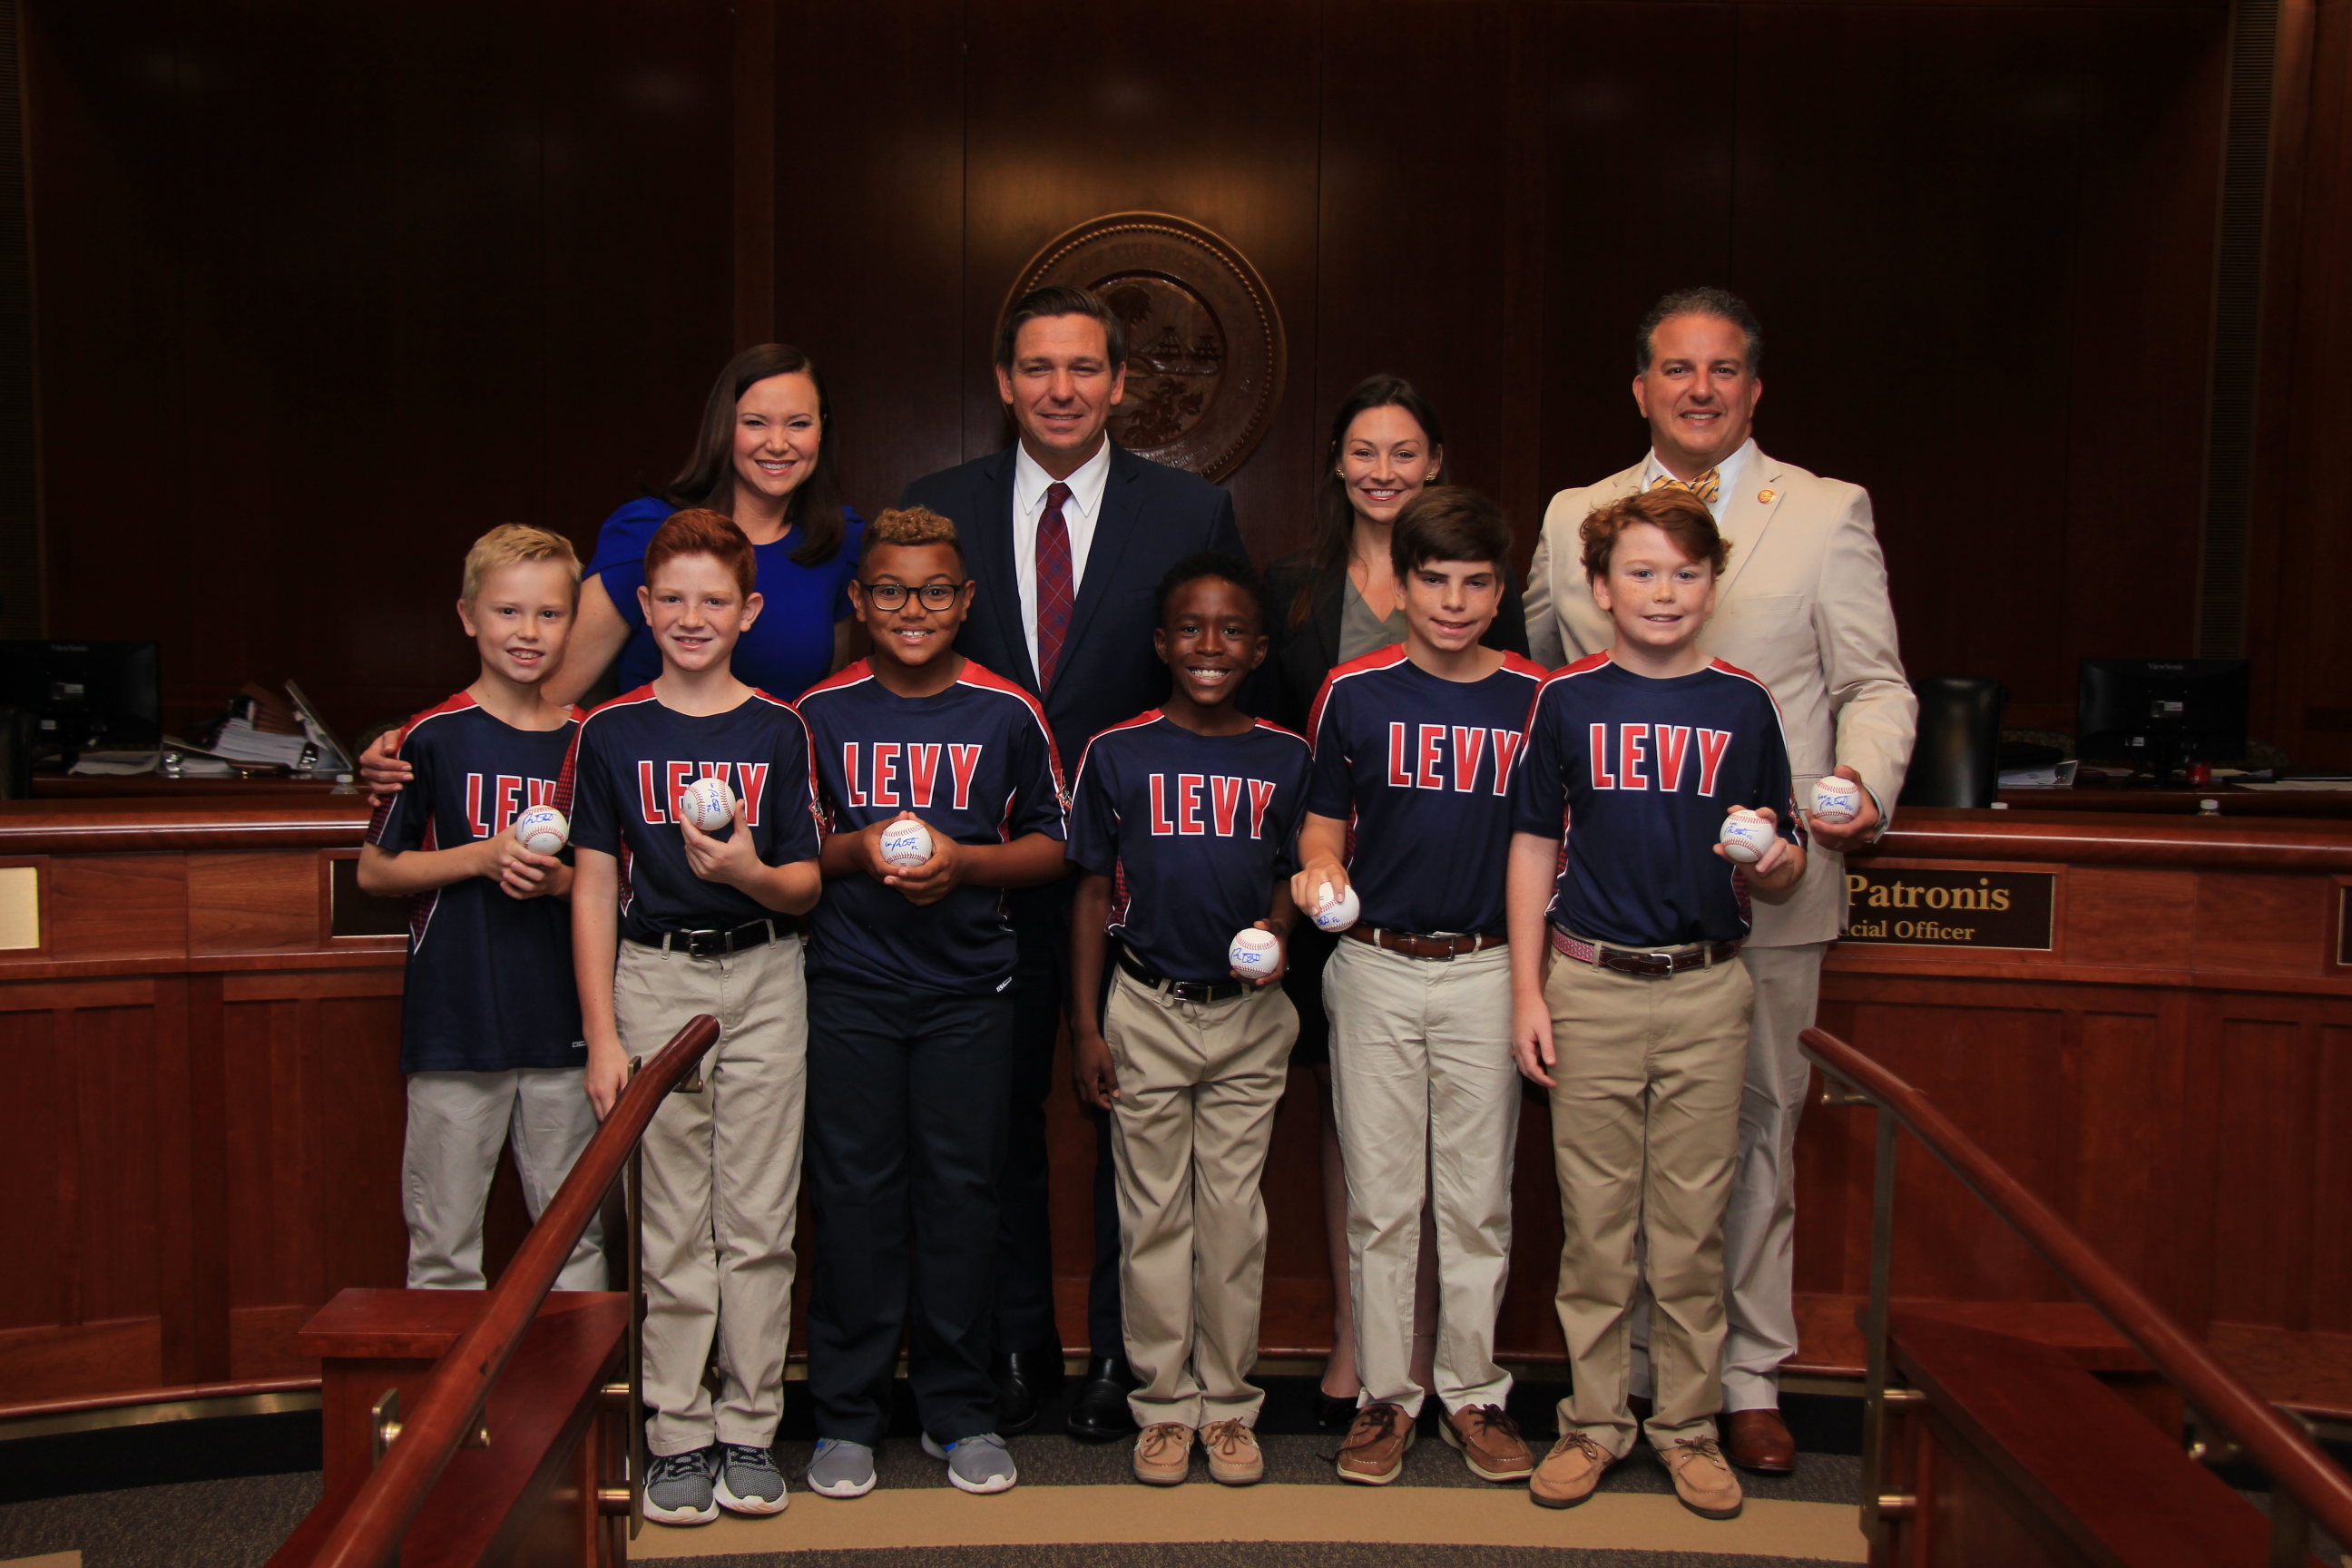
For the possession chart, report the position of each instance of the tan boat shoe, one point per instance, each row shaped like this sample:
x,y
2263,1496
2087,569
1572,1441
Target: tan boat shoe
x,y
1569,1472
1163,1453
1490,1442
1235,1457
1377,1442
1703,1478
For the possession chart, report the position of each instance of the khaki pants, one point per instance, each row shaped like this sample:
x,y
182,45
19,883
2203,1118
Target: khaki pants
x,y
1198,1084
1427,1099
1759,1227
457,1122
722,1179
1645,1131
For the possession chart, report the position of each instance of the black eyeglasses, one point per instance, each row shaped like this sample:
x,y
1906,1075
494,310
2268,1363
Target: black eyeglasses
x,y
891,595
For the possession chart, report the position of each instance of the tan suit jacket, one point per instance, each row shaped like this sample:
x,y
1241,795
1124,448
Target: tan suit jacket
x,y
1803,607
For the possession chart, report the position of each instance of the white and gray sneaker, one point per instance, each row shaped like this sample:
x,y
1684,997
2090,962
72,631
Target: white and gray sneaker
x,y
841,1468
748,1481
981,1463
678,1486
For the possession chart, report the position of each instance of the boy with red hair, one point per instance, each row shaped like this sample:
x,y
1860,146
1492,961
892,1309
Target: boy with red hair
x,y
667,922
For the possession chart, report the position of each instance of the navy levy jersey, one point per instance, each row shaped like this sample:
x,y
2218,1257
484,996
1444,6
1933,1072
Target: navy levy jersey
x,y
621,784
1192,830
1642,770
489,977
1420,768
976,762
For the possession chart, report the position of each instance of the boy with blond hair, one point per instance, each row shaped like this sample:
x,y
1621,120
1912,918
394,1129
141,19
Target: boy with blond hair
x,y
489,1032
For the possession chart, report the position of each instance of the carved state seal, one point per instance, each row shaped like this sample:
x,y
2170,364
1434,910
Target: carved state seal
x,y
1205,354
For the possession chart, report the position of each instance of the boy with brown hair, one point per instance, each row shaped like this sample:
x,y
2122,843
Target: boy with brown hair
x,y
1409,806
1640,1030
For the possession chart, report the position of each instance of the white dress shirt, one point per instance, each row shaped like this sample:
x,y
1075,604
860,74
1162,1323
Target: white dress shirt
x,y
1726,475
1079,514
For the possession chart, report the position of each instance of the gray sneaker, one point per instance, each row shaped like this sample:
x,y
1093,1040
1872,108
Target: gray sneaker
x,y
748,1481
976,1464
841,1468
678,1486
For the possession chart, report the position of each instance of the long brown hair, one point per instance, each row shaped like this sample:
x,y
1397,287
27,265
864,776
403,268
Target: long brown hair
x,y
1335,515
707,480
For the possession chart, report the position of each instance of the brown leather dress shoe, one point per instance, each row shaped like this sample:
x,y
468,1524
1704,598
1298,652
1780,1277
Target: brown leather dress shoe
x,y
1759,1440
1373,1454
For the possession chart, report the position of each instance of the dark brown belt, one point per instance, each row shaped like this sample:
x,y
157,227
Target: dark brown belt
x,y
1413,944
1653,962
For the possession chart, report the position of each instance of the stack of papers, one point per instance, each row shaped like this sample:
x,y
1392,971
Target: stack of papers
x,y
2057,775
240,742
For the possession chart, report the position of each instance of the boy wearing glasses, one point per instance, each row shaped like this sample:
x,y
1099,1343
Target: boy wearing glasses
x,y
910,1016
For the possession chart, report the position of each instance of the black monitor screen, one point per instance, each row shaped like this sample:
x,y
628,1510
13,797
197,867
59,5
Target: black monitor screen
x,y
84,696
2161,712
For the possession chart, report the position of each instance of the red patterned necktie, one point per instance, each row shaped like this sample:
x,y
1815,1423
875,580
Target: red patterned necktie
x,y
1056,591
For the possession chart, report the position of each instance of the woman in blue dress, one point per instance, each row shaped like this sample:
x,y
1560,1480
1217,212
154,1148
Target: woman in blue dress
x,y
765,456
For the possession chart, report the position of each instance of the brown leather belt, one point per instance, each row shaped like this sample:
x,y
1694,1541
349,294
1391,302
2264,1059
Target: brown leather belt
x,y
1655,962
1413,944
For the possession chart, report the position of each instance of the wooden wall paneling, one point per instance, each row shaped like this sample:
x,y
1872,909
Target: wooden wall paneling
x,y
2331,1180
106,166
2267,1136
117,906
2256,923
2303,695
1134,123
2146,178
2134,916
867,198
1413,227
632,294
207,1348
276,1217
367,1244
32,1293
1528,1323
2125,1077
249,901
1610,249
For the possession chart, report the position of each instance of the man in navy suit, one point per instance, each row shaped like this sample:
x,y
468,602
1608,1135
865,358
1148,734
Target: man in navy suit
x,y
1068,534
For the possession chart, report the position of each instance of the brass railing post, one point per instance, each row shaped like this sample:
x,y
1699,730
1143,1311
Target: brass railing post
x,y
1874,1329
633,1188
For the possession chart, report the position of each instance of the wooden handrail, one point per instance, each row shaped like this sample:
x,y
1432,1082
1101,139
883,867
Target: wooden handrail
x,y
2290,1456
451,1406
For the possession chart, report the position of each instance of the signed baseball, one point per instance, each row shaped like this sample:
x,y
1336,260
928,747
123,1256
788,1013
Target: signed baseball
x,y
1254,952
1746,837
906,842
1836,799
1336,914
706,803
541,830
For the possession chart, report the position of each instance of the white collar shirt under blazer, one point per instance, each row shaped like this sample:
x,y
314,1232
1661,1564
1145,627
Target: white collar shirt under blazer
x,y
1080,515
1803,606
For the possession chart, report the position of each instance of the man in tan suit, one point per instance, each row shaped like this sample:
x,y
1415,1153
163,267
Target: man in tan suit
x,y
1803,606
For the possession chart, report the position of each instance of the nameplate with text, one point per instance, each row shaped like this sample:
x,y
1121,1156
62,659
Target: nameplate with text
x,y
1910,906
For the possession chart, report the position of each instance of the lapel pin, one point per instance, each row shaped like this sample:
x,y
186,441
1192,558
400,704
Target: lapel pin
x,y
1765,497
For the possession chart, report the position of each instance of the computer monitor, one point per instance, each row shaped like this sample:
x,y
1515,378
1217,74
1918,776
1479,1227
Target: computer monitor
x,y
84,696
2160,713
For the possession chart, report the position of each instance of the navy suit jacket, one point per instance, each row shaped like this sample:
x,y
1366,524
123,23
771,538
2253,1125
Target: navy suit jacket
x,y
1153,517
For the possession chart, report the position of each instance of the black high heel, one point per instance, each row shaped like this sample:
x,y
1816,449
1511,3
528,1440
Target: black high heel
x,y
1332,1413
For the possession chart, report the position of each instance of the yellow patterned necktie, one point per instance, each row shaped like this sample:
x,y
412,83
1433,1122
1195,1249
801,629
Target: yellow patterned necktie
x,y
1707,487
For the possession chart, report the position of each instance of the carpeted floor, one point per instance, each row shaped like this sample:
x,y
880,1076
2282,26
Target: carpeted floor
x,y
1077,1503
